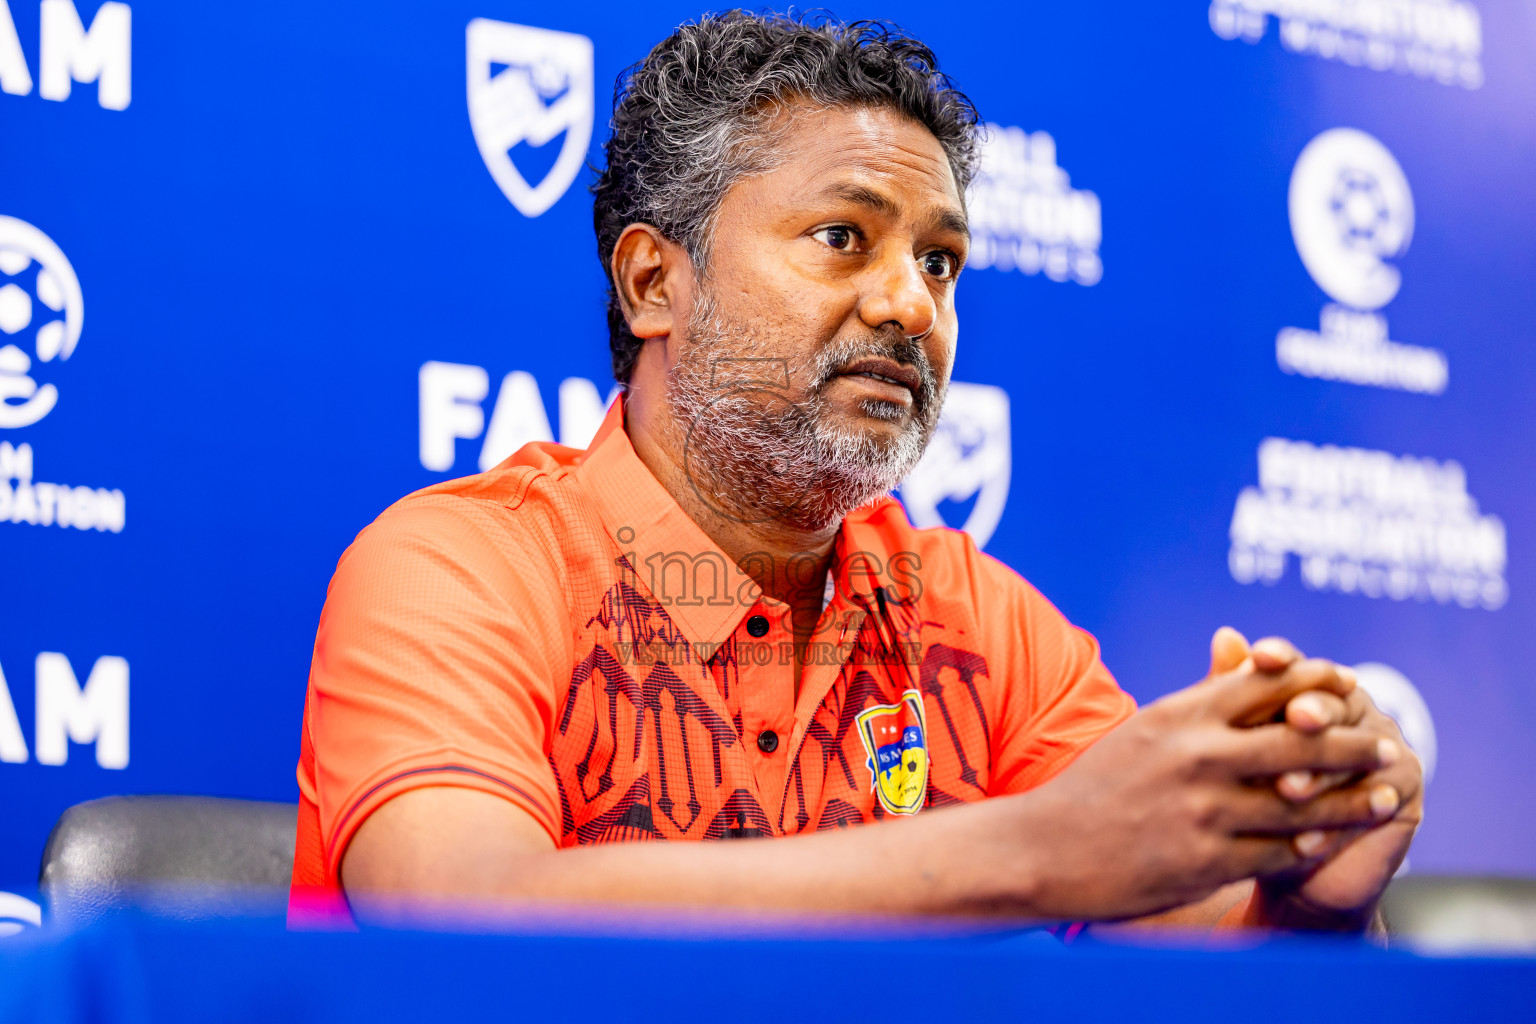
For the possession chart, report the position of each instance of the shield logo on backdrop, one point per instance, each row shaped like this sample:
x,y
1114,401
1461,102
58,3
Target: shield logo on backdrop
x,y
896,741
529,86
969,456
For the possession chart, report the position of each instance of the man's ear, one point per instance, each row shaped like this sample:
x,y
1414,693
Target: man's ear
x,y
652,276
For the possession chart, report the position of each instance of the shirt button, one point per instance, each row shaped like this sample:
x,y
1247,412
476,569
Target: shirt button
x,y
757,625
767,741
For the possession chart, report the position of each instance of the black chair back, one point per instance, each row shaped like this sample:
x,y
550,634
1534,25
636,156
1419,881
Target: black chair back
x,y
187,857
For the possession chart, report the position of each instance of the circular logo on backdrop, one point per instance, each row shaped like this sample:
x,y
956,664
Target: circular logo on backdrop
x,y
41,314
1400,700
1351,212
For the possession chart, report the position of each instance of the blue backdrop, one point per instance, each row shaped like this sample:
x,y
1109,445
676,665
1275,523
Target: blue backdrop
x,y
1246,338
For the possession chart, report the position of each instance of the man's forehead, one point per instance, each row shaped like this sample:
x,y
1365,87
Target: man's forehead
x,y
869,156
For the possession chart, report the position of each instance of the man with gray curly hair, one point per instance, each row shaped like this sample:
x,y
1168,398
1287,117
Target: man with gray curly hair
x,y
715,623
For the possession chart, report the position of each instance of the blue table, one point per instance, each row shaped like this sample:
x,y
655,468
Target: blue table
x,y
143,969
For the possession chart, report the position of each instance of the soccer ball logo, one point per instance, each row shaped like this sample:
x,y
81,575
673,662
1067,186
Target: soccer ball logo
x,y
1360,209
1351,211
41,309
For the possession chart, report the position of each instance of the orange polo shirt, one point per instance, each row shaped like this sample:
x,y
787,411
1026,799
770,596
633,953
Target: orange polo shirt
x,y
558,632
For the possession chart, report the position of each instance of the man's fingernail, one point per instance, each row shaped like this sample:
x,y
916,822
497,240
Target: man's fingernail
x,y
1311,705
1277,649
1309,843
1296,783
1384,801
1386,753
1347,676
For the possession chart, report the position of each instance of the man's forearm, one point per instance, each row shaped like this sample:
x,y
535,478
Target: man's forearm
x,y
955,861
1271,912
1227,907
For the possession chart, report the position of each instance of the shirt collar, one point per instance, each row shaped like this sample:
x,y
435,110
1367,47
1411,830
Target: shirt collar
x,y
697,584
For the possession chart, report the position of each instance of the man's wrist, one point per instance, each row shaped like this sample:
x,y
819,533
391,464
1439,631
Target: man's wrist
x,y
996,873
1028,876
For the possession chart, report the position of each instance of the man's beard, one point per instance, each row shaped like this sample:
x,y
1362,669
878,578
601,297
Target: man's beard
x,y
755,452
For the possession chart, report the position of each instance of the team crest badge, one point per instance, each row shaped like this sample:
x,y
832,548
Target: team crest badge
x,y
529,85
896,739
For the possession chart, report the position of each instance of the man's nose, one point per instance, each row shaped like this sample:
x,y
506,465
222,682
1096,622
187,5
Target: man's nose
x,y
895,292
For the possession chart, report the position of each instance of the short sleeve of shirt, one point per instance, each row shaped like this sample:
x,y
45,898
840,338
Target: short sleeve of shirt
x,y
1057,698
433,666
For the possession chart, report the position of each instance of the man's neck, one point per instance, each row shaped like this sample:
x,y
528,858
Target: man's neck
x,y
789,564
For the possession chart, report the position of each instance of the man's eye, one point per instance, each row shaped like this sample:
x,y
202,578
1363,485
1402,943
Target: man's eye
x,y
840,238
938,264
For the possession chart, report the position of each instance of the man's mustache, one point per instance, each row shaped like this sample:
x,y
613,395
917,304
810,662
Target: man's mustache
x,y
835,360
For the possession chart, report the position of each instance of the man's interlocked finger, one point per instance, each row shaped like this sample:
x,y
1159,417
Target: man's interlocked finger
x,y
1315,710
1229,649
1363,805
1312,712
1320,843
1251,856
1274,654
1303,785
1272,750
1252,698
